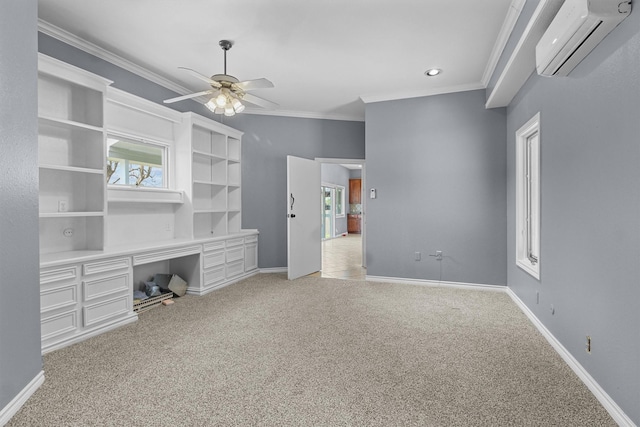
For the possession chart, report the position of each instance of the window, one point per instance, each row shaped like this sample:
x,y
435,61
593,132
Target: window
x,y
340,199
528,197
136,163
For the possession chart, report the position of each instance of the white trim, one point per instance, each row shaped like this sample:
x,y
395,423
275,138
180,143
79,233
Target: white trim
x,y
612,408
21,398
367,99
515,8
528,201
99,52
304,115
130,318
95,50
272,270
436,283
522,61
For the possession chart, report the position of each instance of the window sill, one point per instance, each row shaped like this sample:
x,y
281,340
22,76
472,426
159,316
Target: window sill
x,y
144,195
529,268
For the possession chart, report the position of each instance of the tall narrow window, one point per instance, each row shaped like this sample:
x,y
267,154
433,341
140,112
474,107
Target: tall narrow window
x,y
528,197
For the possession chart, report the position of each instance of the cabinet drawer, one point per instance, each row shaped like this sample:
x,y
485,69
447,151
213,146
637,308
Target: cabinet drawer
x,y
58,275
214,276
59,324
213,246
106,310
251,239
235,268
97,288
60,297
213,259
235,254
235,242
108,265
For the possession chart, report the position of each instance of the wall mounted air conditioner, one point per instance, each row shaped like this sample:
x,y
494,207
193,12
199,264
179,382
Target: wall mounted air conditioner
x,y
577,28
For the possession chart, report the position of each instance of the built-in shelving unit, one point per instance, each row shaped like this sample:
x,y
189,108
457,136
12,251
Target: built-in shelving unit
x,y
71,157
99,242
213,181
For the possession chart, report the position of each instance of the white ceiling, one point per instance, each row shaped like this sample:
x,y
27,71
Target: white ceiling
x,y
324,56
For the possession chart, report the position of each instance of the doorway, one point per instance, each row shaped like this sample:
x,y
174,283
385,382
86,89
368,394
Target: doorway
x,y
343,249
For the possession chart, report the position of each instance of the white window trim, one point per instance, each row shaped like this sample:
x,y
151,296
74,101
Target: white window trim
x,y
166,149
528,197
343,197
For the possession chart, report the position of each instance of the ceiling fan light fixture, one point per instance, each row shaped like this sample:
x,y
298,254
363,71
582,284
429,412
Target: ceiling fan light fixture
x,y
211,104
237,105
229,111
221,100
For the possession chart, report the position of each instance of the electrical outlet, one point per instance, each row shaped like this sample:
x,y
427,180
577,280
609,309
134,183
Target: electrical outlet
x,y
417,256
63,205
588,346
68,232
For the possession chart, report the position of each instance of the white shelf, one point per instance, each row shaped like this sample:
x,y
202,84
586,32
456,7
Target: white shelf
x,y
65,122
214,184
209,155
71,158
209,211
145,195
73,169
69,214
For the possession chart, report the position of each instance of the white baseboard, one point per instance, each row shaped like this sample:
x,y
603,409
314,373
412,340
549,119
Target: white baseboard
x,y
14,406
612,408
436,283
274,270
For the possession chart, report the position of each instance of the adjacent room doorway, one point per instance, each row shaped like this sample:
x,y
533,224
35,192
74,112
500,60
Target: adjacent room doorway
x,y
342,244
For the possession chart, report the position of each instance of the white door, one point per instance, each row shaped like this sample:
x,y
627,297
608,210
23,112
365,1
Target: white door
x,y
304,253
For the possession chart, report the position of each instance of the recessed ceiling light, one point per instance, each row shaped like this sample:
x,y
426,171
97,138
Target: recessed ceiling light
x,y
432,72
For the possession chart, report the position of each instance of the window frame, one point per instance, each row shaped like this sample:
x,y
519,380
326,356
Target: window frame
x,y
528,197
166,170
342,201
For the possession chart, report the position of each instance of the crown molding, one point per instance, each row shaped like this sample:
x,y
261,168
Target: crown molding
x,y
304,115
367,99
99,52
515,8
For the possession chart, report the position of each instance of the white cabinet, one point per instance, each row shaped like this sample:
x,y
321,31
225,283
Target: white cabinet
x,y
80,300
251,253
209,155
71,157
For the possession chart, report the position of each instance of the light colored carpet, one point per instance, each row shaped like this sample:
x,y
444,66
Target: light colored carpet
x,y
317,352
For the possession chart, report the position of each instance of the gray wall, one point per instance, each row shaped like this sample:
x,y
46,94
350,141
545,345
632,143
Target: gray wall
x,y
355,173
338,175
266,143
439,166
20,359
590,210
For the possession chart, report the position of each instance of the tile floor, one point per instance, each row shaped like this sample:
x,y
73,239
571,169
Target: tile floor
x,y
342,258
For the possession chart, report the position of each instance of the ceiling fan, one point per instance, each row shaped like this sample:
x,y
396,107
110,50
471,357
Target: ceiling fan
x,y
227,92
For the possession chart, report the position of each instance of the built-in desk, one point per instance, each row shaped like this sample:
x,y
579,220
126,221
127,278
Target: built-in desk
x,y
86,293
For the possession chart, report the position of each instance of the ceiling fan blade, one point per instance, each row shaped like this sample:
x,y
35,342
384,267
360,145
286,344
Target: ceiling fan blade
x,y
192,95
253,84
202,77
260,102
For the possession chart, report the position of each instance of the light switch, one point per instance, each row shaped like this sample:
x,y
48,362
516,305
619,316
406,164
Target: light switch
x,y
372,194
